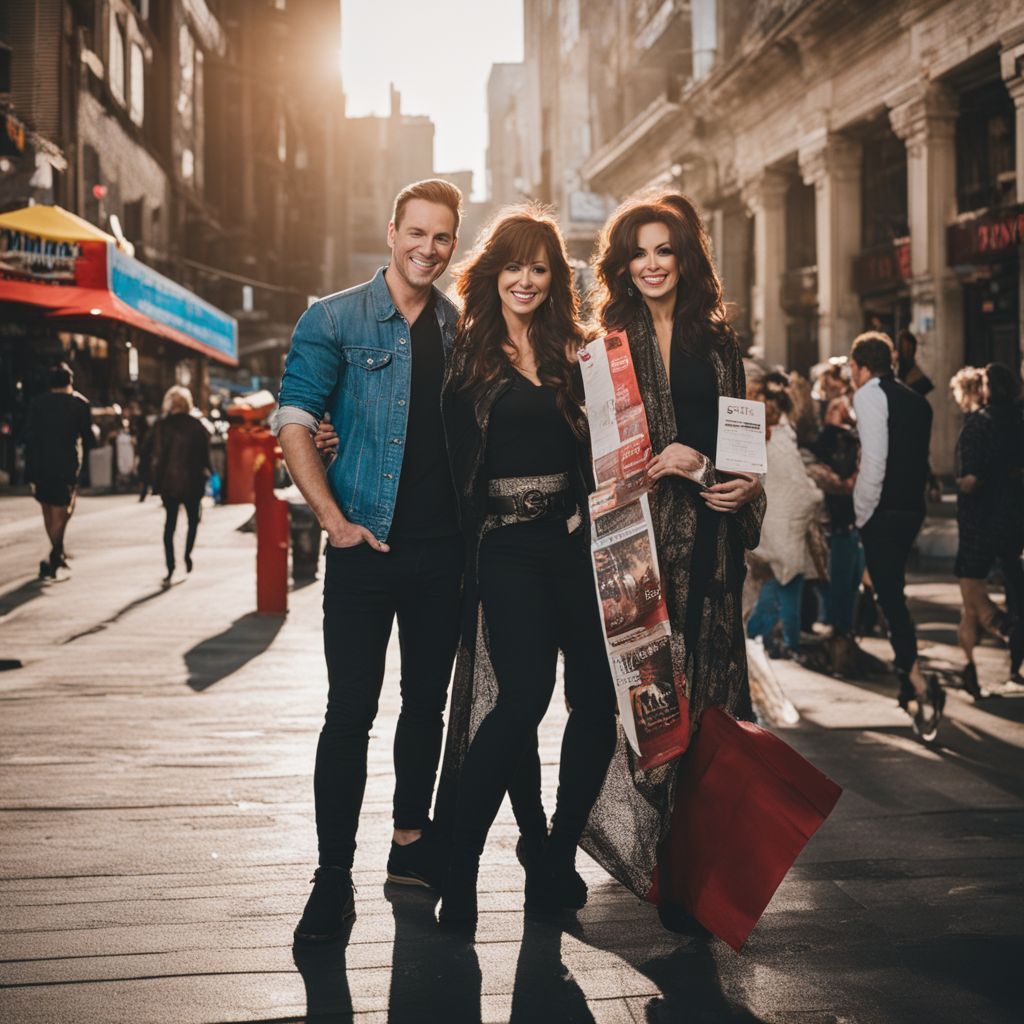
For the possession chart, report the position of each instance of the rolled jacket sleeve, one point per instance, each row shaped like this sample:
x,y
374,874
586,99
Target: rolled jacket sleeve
x,y
311,369
872,410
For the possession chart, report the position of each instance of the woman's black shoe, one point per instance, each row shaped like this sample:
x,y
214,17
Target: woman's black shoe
x,y
675,919
331,905
969,680
555,884
530,854
458,898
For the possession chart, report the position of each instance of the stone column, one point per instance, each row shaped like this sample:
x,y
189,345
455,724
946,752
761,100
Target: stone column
x,y
1012,63
765,197
832,164
925,118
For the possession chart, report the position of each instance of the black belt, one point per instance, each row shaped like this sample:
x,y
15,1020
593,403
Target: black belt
x,y
531,503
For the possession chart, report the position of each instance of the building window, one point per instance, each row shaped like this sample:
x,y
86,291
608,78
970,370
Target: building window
x,y
985,148
133,221
5,68
137,88
704,16
115,59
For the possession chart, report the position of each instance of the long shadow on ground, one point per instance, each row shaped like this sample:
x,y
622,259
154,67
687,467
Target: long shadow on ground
x,y
218,657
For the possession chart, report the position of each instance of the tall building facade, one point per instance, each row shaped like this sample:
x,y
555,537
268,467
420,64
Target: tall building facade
x,y
206,135
857,164
382,154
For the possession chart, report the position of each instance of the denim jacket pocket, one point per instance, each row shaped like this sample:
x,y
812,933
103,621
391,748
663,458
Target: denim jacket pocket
x,y
362,377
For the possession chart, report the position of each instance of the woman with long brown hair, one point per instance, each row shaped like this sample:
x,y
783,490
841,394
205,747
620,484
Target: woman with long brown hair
x,y
517,441
656,280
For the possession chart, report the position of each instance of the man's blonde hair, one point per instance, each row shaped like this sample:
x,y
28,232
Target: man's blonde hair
x,y
433,190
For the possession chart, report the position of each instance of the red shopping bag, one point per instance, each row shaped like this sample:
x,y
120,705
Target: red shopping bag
x,y
746,804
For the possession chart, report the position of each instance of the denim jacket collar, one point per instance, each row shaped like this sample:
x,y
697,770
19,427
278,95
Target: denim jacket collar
x,y
384,305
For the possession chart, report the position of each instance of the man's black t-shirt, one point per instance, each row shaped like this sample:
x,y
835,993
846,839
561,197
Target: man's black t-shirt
x,y
425,505
59,434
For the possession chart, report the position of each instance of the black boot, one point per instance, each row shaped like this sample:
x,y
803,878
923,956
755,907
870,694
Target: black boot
x,y
458,896
530,853
567,890
969,679
331,905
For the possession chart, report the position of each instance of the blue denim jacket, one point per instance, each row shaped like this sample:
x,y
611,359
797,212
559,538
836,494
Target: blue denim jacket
x,y
351,356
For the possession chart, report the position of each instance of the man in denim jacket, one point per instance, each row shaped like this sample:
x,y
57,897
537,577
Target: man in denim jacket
x,y
374,358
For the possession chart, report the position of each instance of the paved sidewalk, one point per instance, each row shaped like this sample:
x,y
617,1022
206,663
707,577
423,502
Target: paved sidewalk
x,y
156,816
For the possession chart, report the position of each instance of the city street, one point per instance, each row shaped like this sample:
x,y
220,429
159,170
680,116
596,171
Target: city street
x,y
158,836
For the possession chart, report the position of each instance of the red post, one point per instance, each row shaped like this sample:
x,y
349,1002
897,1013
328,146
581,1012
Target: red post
x,y
271,539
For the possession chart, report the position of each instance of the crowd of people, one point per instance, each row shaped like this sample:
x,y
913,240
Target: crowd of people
x,y
456,505
173,460
847,481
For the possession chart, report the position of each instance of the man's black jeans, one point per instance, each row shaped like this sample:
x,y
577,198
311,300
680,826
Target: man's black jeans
x,y
888,537
420,583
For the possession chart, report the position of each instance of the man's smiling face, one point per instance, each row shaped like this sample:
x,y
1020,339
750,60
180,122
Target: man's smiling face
x,y
422,243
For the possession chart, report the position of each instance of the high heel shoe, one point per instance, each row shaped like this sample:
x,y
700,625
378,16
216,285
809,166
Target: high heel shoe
x,y
458,911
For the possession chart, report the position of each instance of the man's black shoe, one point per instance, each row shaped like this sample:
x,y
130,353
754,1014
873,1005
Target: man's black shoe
x,y
969,678
330,907
414,864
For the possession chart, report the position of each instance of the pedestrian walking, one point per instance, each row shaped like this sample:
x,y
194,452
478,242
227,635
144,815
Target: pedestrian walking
x,y
181,465
793,502
894,424
656,280
374,357
990,511
518,440
837,451
906,364
59,434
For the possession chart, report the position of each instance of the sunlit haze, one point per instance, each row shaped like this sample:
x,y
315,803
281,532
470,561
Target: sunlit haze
x,y
438,55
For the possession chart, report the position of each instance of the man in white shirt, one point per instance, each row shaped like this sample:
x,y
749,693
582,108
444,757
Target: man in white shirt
x,y
894,424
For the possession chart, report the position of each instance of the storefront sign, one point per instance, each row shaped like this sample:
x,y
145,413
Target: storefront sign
x,y
988,238
35,258
168,303
883,268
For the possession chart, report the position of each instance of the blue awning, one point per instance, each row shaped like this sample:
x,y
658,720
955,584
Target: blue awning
x,y
173,306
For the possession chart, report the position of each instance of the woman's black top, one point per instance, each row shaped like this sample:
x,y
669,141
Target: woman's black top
x,y
527,434
695,399
695,402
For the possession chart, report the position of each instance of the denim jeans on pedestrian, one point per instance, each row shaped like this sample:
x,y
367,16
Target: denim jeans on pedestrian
x,y
777,602
845,570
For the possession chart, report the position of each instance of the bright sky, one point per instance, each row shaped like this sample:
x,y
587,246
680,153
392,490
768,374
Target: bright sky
x,y
438,54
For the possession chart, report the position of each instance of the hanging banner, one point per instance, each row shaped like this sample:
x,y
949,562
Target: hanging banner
x,y
651,694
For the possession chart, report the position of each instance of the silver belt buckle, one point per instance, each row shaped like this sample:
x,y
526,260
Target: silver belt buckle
x,y
532,503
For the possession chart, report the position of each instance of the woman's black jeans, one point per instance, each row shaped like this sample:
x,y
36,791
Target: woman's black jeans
x,y
192,510
538,595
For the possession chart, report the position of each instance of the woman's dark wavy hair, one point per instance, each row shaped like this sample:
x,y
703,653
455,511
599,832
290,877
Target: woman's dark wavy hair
x,y
1003,387
514,237
700,313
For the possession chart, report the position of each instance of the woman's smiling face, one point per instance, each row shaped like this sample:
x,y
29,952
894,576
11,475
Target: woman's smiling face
x,y
654,267
522,287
